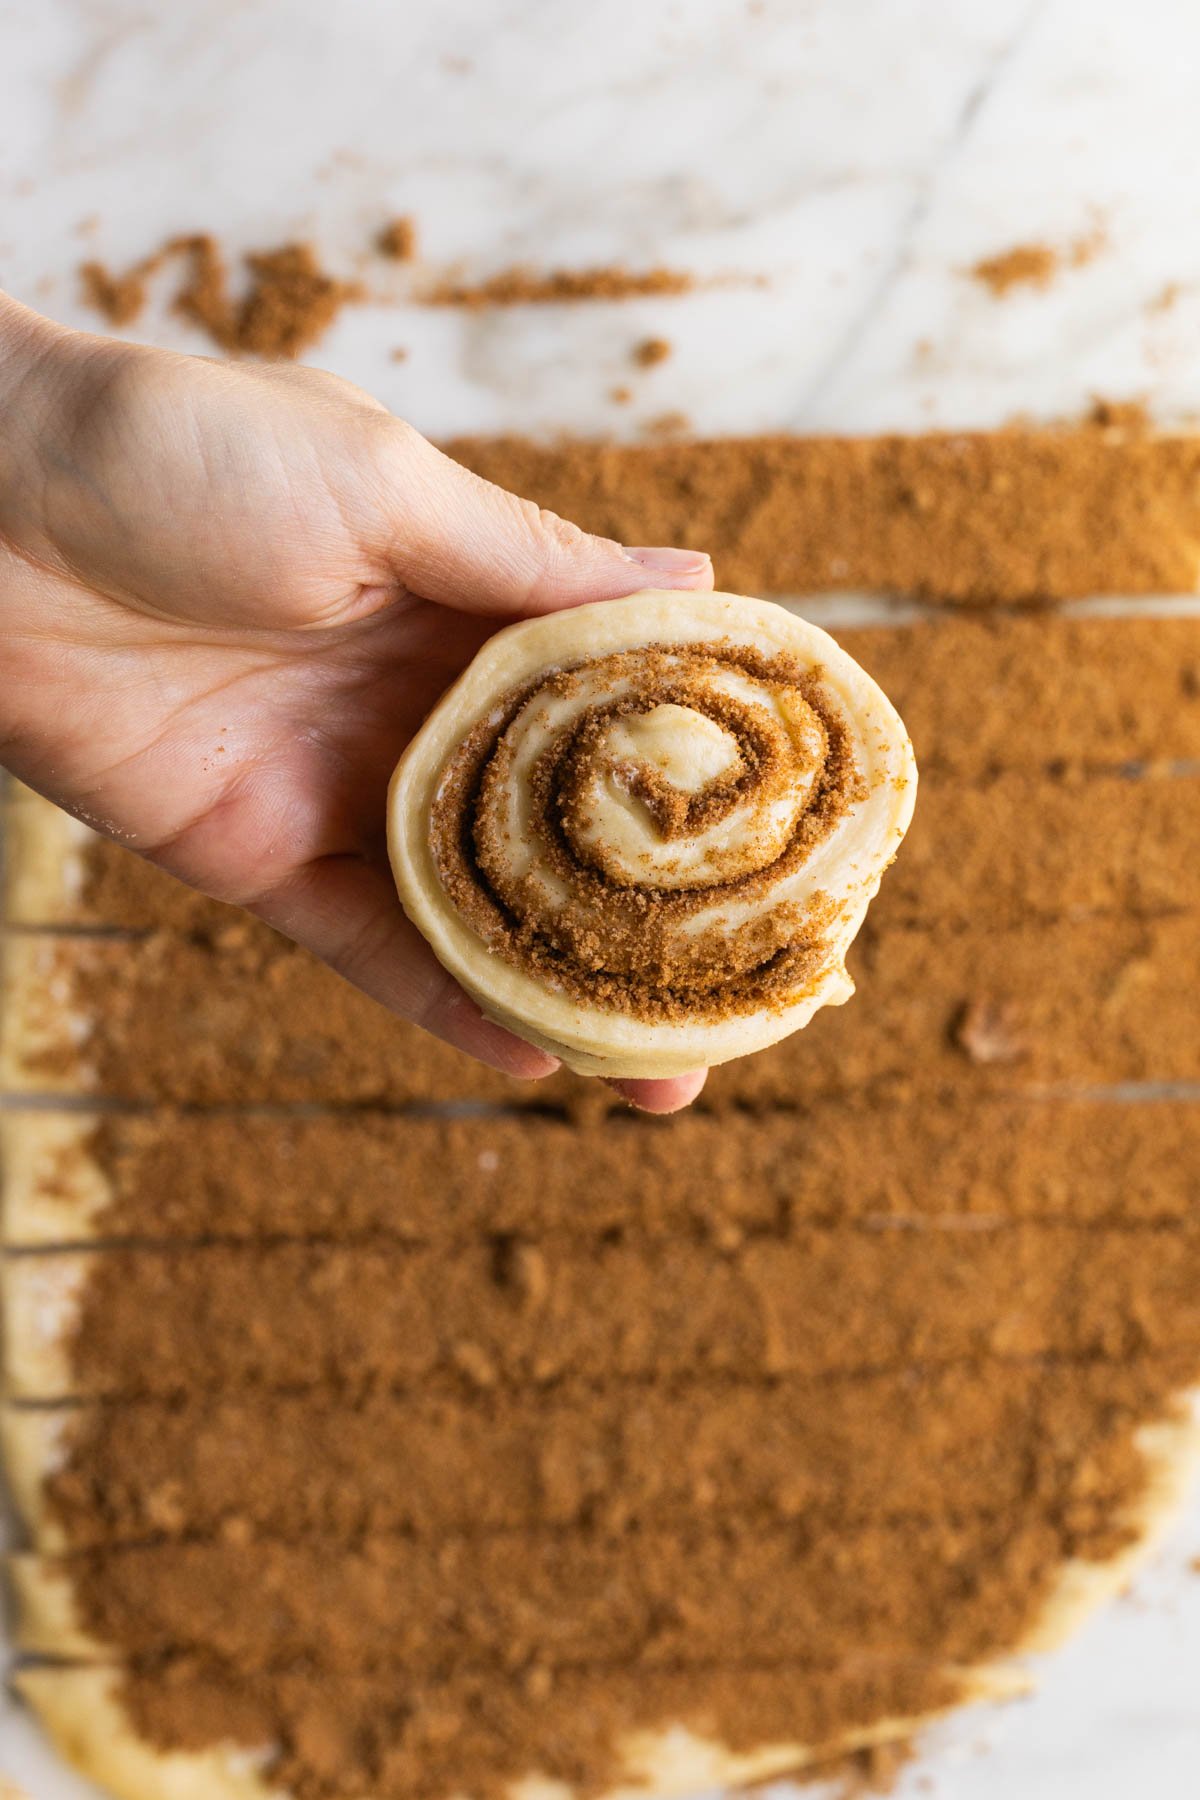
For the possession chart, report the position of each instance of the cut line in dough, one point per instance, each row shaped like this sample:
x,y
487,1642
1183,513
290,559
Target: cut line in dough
x,y
49,1624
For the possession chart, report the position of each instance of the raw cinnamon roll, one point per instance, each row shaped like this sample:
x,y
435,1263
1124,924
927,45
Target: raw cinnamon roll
x,y
643,833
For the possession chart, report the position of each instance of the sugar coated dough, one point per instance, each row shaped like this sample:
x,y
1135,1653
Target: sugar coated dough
x,y
676,809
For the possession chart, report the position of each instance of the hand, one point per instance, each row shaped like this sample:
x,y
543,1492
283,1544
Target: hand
x,y
228,597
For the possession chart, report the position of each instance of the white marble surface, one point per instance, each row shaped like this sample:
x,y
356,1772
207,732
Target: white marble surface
x,y
858,154
830,168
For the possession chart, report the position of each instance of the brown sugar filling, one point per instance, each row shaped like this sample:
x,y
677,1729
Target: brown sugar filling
x,y
1027,514
621,943
577,1599
820,1303
171,1175
923,1337
1090,1000
476,1733
244,1465
508,1556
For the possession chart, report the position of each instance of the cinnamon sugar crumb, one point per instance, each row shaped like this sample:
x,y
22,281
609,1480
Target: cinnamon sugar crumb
x,y
398,240
668,425
1035,264
1025,265
651,351
526,287
1120,418
119,298
289,305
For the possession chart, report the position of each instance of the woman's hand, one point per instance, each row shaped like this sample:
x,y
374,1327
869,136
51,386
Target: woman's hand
x,y
228,596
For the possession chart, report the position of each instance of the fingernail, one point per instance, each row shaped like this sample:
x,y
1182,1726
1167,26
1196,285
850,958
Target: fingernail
x,y
665,561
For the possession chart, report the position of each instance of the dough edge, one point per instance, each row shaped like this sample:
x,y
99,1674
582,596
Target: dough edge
x,y
81,1713
45,850
35,1023
39,1304
52,1190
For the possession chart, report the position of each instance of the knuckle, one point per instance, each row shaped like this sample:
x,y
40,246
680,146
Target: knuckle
x,y
557,536
551,544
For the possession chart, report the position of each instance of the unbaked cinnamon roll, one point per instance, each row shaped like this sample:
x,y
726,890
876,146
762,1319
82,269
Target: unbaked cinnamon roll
x,y
644,833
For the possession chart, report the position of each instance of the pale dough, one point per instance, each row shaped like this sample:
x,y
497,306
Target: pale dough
x,y
54,1191
44,856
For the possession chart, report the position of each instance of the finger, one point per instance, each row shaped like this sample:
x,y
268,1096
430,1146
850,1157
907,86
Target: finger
x,y
346,911
665,1096
466,543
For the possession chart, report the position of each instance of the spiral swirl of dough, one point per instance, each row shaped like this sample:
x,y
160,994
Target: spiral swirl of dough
x,y
661,836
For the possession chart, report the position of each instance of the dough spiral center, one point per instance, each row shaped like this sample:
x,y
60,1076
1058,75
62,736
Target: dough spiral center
x,y
635,828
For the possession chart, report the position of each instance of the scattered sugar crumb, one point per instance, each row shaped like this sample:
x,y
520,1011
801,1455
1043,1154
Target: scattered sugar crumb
x,y
650,351
398,240
1034,264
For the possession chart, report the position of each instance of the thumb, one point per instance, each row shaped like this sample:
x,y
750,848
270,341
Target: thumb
x,y
464,542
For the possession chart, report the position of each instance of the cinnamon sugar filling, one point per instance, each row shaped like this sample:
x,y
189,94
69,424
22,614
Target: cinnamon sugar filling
x,y
517,833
